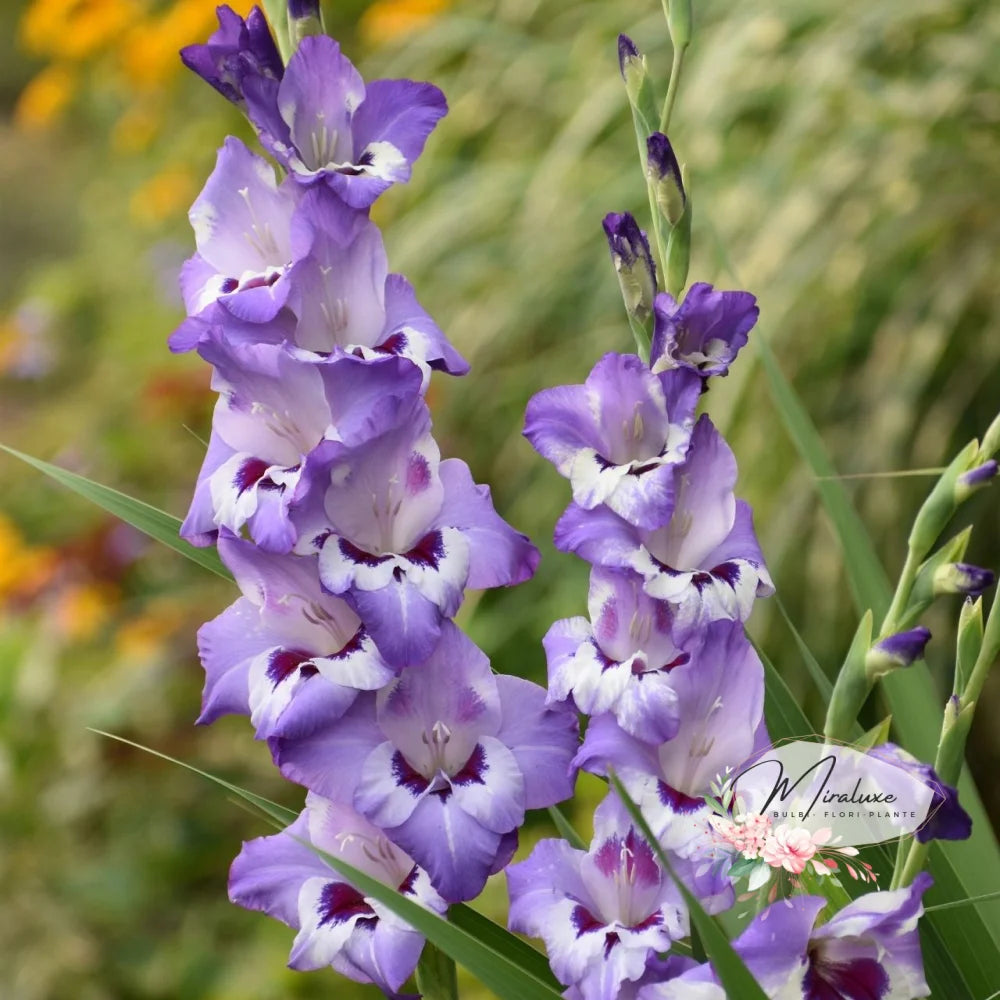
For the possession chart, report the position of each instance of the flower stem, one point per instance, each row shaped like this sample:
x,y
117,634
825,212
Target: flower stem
x,y
675,76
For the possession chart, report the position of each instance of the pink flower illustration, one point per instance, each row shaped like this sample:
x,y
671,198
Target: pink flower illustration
x,y
791,848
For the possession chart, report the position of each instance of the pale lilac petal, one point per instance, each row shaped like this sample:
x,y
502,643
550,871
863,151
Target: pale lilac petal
x,y
318,94
457,852
404,623
199,526
606,744
388,790
542,739
226,646
326,760
400,112
455,686
340,283
409,330
270,871
704,504
601,537
491,787
499,556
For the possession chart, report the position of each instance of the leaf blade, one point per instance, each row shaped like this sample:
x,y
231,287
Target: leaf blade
x,y
157,524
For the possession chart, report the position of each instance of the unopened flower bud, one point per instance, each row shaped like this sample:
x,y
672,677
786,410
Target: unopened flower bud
x,y
991,440
633,263
940,505
962,578
664,173
632,64
304,18
975,479
970,640
894,651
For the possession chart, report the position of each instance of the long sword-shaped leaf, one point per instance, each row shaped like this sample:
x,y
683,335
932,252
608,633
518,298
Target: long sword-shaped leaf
x,y
865,573
501,962
159,525
735,978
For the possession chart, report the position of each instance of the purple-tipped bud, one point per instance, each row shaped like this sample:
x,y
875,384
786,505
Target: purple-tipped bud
x,y
975,479
304,19
894,651
665,175
237,50
946,819
628,52
300,9
633,263
632,64
962,578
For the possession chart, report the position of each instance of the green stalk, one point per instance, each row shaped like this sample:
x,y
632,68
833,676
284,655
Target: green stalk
x,y
675,74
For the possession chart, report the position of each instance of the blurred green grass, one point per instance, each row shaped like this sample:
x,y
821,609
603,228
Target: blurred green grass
x,y
845,155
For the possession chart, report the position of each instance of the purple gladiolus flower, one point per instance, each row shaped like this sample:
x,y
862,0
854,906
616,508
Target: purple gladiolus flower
x,y
619,437
870,950
720,708
242,223
403,533
445,759
946,819
337,925
774,949
345,299
620,662
275,408
604,914
285,652
325,124
706,559
704,333
237,50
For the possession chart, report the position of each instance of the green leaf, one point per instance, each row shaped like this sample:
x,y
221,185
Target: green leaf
x,y
876,736
734,976
866,575
500,939
823,683
159,525
566,829
495,962
782,712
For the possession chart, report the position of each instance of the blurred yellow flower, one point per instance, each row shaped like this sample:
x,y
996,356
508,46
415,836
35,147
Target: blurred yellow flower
x,y
82,608
164,195
143,637
44,99
149,53
136,128
387,20
24,569
75,29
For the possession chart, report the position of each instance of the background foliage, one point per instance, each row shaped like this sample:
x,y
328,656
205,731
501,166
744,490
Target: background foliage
x,y
845,156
